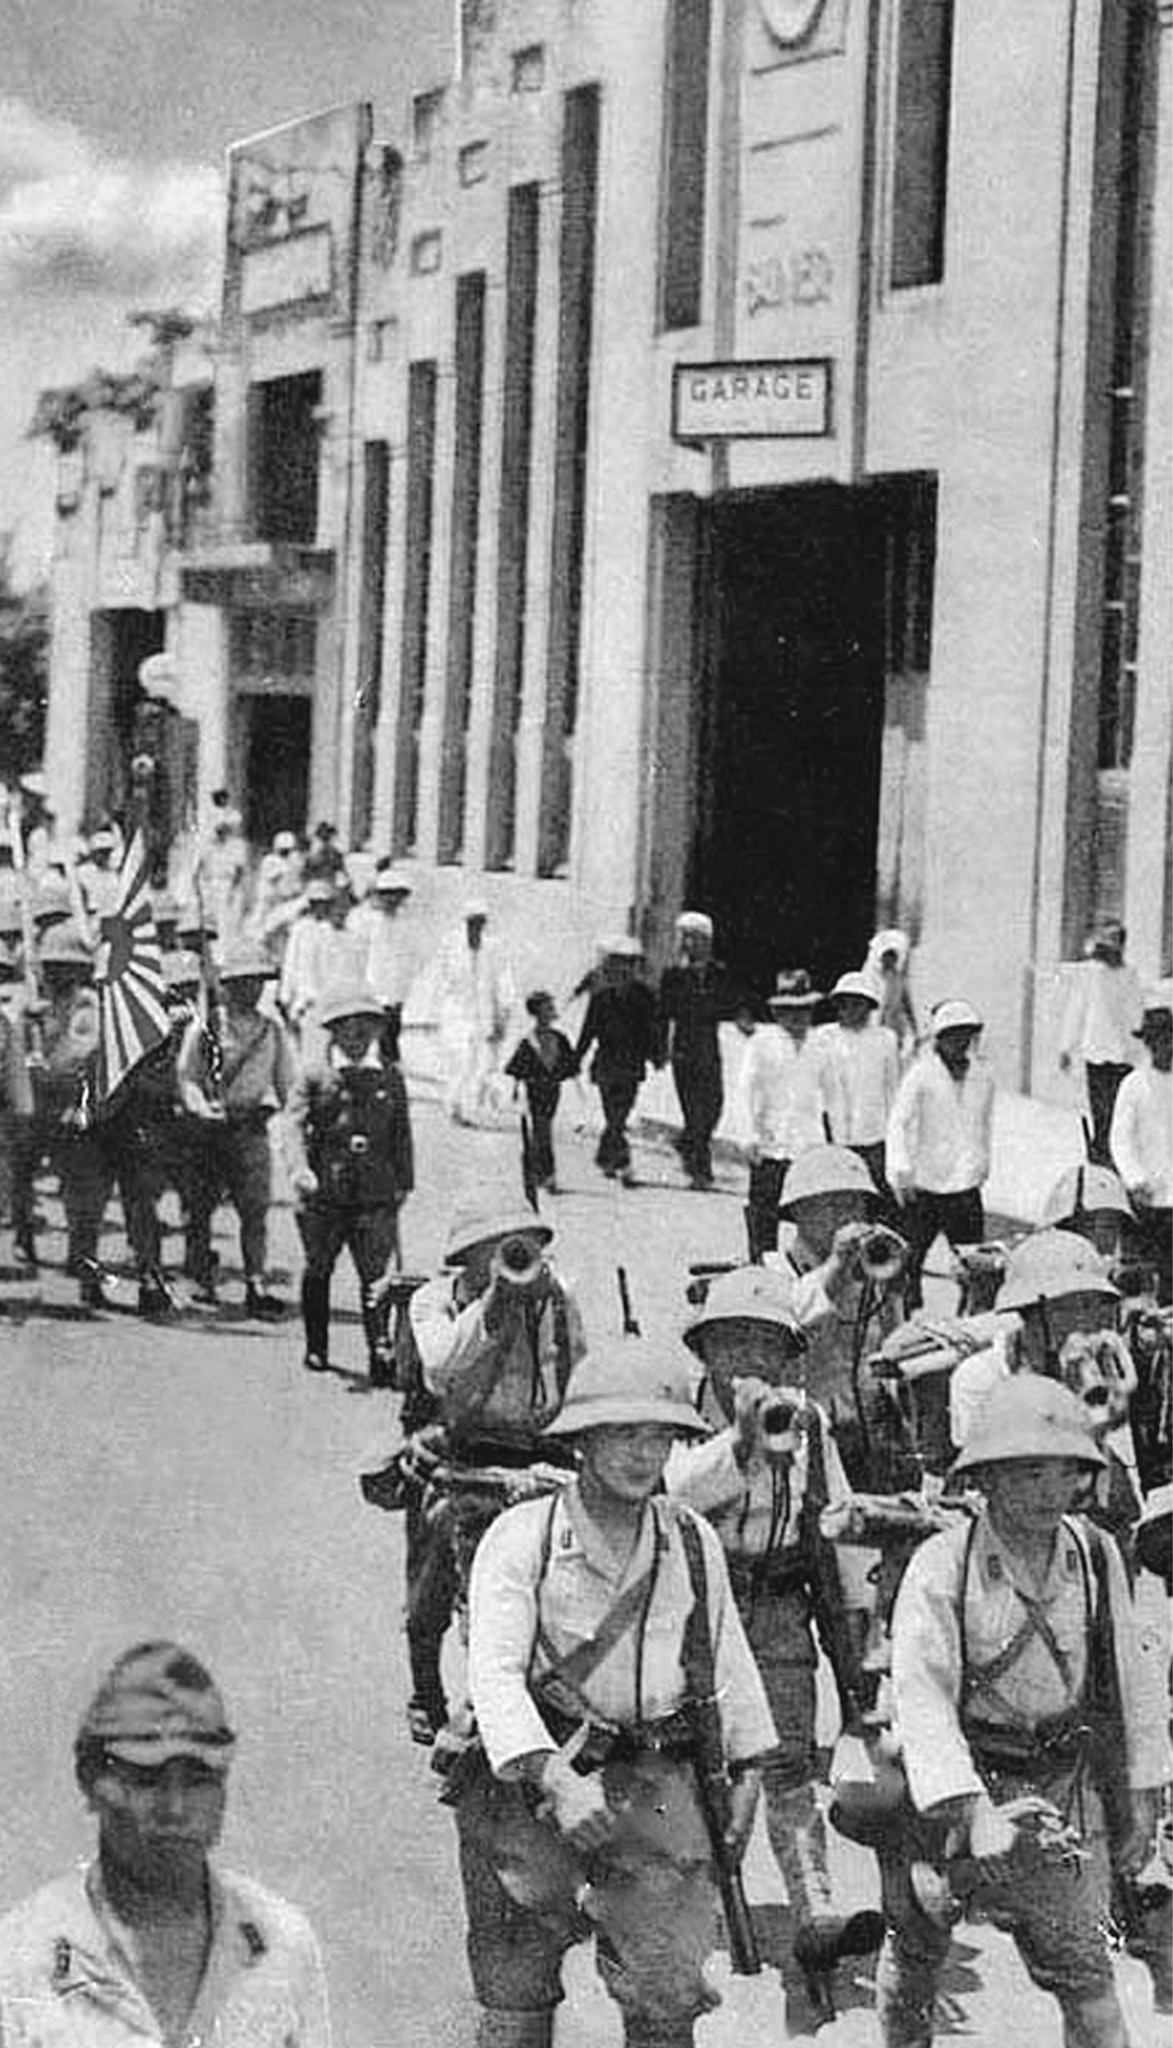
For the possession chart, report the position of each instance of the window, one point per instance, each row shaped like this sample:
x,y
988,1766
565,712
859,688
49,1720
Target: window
x,y
462,584
417,577
921,155
683,162
576,271
521,298
284,438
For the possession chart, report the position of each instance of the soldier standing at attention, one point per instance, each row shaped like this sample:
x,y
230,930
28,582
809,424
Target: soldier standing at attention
x,y
152,1943
1019,1690
235,1098
598,1618
350,1162
690,1010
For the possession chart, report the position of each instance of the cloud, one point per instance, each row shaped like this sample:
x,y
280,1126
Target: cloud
x,y
75,220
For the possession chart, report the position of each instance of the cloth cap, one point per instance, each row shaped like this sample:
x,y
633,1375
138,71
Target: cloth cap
x,y
284,842
390,882
855,984
621,947
181,969
478,1224
158,1702
793,990
752,1294
825,1170
474,908
164,907
1051,1264
1082,1191
1029,1416
348,999
697,921
630,1382
320,890
954,1015
64,947
246,962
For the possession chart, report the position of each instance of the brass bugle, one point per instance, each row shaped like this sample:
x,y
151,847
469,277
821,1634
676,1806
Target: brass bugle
x,y
517,1263
882,1254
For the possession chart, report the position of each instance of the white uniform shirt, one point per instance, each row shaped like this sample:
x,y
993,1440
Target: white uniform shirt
x,y
1104,1008
642,1675
861,1073
463,1364
743,1502
927,1677
940,1129
781,1090
67,1980
1141,1140
385,951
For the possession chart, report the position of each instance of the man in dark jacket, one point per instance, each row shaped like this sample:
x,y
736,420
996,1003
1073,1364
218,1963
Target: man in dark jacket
x,y
350,1164
622,1025
690,1010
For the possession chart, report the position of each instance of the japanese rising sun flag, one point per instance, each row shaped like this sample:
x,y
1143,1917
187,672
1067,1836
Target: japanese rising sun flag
x,y
132,1009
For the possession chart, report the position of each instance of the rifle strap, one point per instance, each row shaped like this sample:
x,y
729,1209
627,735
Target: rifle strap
x,y
696,1654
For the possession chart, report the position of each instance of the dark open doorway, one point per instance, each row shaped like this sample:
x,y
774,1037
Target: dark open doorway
x,y
785,850
277,765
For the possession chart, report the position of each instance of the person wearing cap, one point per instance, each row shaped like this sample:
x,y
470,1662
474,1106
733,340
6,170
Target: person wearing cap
x,y
1103,1011
781,1088
594,1616
153,1942
70,1031
476,999
860,1060
325,859
1022,1696
692,1004
387,955
1141,1140
231,1087
319,954
540,1063
497,1334
885,969
97,873
1056,1286
1091,1202
763,1480
622,1025
937,1155
350,1164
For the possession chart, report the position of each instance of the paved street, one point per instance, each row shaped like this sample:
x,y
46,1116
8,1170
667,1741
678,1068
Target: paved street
x,y
194,1481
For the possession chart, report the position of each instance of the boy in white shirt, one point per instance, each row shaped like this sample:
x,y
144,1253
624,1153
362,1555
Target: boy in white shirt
x,y
781,1091
938,1151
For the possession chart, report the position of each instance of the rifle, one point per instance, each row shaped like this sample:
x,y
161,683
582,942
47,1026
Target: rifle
x,y
712,1772
630,1323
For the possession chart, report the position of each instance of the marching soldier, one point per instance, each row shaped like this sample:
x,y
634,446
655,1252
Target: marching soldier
x,y
19,1070
234,1086
1034,1740
763,1480
691,999
152,1943
497,1333
71,1033
615,1697
350,1159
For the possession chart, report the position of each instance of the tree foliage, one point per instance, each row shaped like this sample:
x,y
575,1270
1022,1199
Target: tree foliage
x,y
24,671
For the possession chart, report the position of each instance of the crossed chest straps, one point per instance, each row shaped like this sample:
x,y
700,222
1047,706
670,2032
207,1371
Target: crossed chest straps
x,y
561,1687
983,1682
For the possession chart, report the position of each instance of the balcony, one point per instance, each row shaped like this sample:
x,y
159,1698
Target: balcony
x,y
227,565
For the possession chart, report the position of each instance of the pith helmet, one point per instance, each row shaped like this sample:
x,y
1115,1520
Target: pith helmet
x,y
348,999
825,1170
954,1015
855,984
1051,1264
64,947
752,1294
631,1382
479,1224
246,962
1084,1191
1029,1416
158,1702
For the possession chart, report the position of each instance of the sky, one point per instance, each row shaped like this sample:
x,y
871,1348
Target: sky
x,y
114,119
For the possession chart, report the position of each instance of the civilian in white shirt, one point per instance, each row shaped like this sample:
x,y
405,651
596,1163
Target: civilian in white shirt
x,y
388,962
1103,1012
938,1151
780,1088
860,1068
1142,1138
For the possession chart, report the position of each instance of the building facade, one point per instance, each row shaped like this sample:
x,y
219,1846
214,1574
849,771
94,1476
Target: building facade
x,y
720,453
